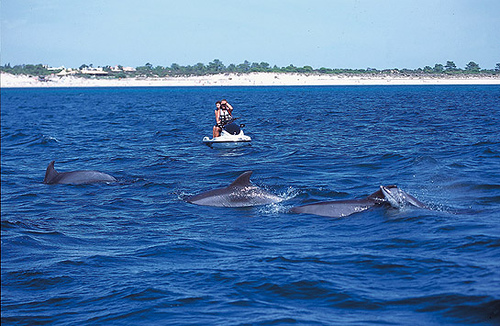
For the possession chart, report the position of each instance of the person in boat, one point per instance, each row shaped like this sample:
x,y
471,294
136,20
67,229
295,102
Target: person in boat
x,y
223,115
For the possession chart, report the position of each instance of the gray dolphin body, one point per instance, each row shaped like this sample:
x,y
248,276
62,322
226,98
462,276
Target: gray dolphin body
x,y
75,177
240,193
386,196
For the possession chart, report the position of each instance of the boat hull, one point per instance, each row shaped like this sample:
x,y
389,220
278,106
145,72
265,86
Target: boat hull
x,y
226,140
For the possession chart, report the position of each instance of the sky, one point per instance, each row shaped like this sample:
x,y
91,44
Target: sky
x,y
379,34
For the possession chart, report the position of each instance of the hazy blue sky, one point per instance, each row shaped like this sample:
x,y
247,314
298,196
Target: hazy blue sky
x,y
321,33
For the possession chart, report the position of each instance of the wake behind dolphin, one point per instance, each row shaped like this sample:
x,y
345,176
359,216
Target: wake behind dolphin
x,y
241,193
390,196
75,177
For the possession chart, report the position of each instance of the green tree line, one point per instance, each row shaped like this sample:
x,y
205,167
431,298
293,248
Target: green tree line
x,y
217,67
34,70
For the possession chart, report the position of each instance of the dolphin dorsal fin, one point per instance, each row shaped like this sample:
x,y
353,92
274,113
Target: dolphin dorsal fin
x,y
242,180
51,173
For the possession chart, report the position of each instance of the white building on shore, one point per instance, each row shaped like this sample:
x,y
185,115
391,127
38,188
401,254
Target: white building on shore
x,y
93,71
121,68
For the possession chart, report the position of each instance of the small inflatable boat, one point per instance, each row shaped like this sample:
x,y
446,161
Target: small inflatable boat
x,y
231,136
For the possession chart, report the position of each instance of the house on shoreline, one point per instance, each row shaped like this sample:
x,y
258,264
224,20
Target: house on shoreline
x,y
122,69
93,71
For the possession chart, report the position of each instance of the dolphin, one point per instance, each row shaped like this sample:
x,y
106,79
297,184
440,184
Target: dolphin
x,y
74,177
397,198
390,196
240,193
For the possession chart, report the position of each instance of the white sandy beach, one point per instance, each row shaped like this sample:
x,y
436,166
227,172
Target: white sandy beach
x,y
251,79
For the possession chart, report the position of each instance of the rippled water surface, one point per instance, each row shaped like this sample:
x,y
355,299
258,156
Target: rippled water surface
x,y
135,253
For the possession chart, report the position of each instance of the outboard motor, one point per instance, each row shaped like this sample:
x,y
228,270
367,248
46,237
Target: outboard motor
x,y
232,128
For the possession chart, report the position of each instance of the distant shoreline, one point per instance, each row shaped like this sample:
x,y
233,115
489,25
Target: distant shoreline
x,y
250,79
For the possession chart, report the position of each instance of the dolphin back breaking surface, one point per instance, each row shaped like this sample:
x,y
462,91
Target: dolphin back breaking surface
x,y
75,177
390,196
241,193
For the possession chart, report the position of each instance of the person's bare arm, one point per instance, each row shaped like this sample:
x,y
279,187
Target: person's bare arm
x,y
230,109
217,116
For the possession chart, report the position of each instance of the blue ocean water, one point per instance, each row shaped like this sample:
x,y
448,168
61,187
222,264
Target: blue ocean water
x,y
135,253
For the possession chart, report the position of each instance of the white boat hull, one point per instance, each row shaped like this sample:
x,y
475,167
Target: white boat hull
x,y
226,140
